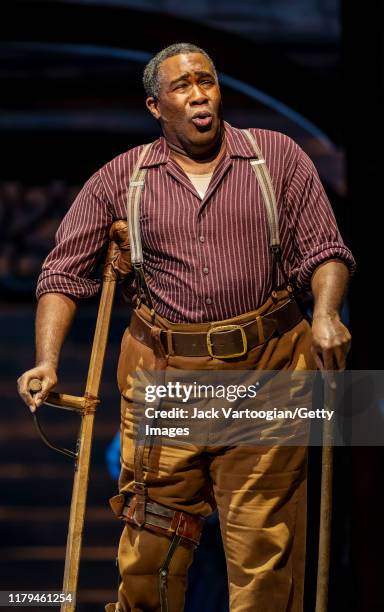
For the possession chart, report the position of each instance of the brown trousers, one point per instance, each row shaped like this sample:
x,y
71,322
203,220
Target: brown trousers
x,y
259,491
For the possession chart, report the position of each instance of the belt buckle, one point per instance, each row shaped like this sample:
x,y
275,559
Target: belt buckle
x,y
221,328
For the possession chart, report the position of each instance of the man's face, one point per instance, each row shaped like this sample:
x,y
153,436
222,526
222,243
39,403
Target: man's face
x,y
189,103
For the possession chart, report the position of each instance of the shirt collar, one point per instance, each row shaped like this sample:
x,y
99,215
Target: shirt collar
x,y
237,146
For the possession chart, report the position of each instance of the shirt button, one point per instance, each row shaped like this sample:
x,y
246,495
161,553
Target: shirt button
x,y
208,301
202,239
205,270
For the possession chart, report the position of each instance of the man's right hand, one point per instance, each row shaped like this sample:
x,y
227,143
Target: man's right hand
x,y
55,313
44,372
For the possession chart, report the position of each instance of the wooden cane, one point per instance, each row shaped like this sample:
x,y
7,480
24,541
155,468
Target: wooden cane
x,y
324,555
86,405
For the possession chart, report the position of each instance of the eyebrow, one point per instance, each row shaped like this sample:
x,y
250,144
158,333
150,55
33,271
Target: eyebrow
x,y
184,77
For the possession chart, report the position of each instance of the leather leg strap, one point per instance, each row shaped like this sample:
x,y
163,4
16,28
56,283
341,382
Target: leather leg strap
x,y
160,519
184,528
163,573
139,487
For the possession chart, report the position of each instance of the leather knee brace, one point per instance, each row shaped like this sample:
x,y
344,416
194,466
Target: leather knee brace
x,y
181,527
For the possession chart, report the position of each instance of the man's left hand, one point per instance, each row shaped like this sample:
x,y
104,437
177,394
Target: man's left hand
x,y
331,342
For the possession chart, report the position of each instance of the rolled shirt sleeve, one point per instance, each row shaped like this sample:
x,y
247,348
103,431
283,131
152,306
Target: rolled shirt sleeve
x,y
79,243
312,223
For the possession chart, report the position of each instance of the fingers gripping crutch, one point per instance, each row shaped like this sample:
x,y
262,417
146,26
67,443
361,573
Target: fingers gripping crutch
x,y
86,406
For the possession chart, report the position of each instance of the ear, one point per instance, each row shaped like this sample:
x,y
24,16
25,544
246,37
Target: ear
x,y
152,105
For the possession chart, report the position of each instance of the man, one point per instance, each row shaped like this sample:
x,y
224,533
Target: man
x,y
208,258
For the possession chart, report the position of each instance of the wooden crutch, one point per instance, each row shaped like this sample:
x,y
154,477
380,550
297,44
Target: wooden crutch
x,y
324,554
86,406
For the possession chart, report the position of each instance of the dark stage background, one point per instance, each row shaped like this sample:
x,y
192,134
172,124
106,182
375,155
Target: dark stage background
x,y
70,77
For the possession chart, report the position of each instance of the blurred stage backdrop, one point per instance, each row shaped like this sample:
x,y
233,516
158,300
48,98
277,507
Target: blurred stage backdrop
x,y
71,100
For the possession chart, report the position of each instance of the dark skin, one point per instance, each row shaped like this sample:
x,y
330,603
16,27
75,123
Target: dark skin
x,y
188,109
331,339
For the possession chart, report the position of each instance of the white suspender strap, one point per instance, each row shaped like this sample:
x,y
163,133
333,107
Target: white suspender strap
x,y
260,168
261,171
136,186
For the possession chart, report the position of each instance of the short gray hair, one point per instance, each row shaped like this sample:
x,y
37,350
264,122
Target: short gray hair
x,y
151,71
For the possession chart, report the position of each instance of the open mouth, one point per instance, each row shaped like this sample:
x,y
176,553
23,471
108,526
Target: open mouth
x,y
202,119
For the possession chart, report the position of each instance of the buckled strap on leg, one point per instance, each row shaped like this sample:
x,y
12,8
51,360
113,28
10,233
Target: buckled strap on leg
x,y
159,518
140,501
139,488
182,527
163,573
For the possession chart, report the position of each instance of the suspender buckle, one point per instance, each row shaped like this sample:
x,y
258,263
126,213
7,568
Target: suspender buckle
x,y
226,328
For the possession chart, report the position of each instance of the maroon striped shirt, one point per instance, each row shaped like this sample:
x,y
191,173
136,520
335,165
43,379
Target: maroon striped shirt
x,y
204,259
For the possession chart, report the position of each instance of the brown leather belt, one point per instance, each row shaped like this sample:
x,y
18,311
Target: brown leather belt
x,y
221,341
160,519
